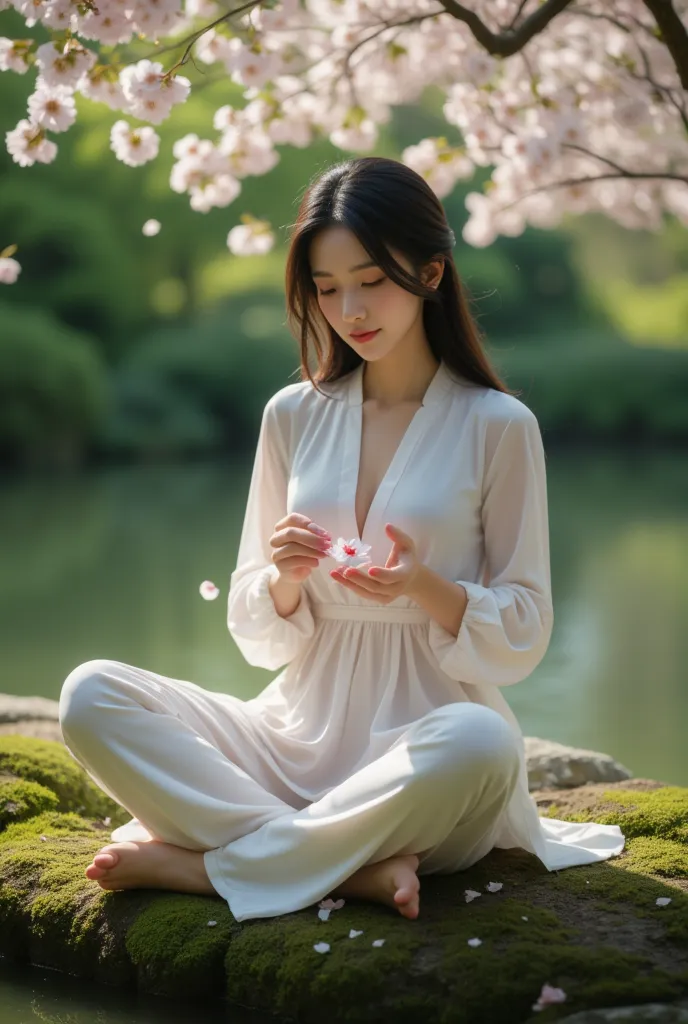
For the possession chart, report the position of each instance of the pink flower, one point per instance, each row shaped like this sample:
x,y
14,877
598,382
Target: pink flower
x,y
9,270
208,590
352,551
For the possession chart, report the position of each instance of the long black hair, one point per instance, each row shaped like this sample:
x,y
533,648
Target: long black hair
x,y
386,205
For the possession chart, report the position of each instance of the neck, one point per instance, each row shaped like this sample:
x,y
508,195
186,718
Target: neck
x,y
390,382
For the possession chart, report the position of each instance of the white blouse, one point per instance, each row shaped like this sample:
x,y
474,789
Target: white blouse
x,y
468,484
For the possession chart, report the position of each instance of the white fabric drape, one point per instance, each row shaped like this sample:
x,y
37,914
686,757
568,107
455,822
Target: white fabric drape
x,y
468,483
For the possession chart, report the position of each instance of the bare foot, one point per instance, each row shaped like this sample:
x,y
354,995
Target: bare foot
x,y
150,865
393,882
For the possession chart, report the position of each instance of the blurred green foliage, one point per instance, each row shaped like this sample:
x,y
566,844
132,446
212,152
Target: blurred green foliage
x,y
117,345
590,387
53,389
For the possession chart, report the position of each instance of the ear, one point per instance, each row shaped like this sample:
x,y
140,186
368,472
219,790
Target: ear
x,y
432,273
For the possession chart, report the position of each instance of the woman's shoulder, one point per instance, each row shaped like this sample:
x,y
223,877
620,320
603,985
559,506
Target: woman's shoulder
x,y
500,408
294,398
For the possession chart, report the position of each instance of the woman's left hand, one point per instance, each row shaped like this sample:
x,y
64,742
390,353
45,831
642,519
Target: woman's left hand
x,y
384,585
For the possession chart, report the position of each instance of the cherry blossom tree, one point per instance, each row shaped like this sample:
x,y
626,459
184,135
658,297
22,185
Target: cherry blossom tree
x,y
572,105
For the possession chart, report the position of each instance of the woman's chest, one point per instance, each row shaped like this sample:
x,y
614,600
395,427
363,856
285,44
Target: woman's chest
x,y
417,467
382,433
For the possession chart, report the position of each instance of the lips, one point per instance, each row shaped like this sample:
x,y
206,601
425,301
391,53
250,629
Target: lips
x,y
366,336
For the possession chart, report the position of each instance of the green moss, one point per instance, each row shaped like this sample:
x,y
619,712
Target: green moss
x,y
173,946
660,812
594,931
20,799
51,765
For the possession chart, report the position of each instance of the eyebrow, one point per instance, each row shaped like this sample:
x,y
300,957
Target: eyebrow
x,y
358,266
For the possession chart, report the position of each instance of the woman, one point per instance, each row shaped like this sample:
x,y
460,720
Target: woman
x,y
384,749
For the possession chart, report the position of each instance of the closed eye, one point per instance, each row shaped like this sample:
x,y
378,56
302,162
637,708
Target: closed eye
x,y
365,284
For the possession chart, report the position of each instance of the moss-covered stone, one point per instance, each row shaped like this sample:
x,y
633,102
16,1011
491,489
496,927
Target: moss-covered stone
x,y
51,765
20,799
594,931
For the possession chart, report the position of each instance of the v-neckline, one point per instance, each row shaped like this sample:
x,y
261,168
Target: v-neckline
x,y
432,398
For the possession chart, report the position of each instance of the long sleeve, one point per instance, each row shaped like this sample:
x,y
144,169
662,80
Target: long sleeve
x,y
265,639
507,625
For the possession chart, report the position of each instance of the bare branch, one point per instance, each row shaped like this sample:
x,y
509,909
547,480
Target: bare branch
x,y
510,41
517,15
672,33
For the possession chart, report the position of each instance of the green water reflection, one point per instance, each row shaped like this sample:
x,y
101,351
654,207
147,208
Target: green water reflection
x,y
34,995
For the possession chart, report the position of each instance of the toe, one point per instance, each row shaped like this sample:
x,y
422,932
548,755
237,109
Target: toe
x,y
105,860
93,872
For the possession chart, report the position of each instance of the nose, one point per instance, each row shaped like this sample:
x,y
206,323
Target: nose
x,y
352,307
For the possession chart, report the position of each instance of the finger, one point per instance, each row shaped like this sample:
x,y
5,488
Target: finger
x,y
362,580
293,519
355,588
291,536
397,535
384,575
294,564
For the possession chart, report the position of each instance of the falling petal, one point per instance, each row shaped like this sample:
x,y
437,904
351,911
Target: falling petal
x,y
211,924
208,590
353,934
151,227
471,894
324,914
44,839
475,942
322,947
524,918
378,942
548,997
494,886
663,900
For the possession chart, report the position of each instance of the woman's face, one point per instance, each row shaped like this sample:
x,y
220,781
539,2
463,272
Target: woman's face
x,y
354,294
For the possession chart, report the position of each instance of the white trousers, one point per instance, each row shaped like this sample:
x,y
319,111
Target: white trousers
x,y
184,764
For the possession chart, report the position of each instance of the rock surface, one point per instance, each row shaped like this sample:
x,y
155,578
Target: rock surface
x,y
596,932
549,763
553,764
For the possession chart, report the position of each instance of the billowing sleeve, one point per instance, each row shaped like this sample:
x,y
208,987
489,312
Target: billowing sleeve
x,y
265,639
507,625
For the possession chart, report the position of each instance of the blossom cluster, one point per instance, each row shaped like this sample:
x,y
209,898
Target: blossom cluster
x,y
590,115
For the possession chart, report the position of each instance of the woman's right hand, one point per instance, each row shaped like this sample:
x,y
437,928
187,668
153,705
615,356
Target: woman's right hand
x,y
298,547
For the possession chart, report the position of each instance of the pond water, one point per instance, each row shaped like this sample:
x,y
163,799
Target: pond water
x,y
36,995
109,564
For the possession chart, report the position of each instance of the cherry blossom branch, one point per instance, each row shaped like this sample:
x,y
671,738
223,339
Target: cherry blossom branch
x,y
662,90
583,12
672,33
505,44
383,28
516,16
591,179
195,36
187,41
622,171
